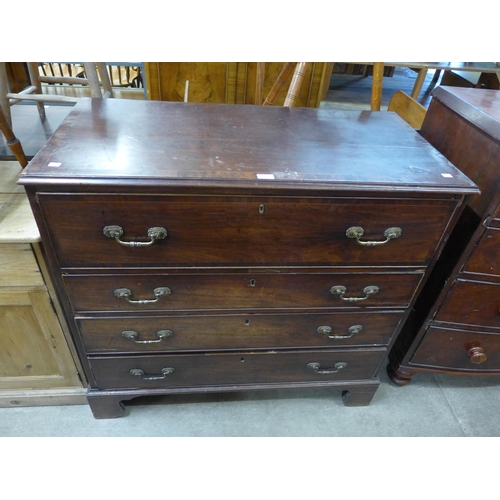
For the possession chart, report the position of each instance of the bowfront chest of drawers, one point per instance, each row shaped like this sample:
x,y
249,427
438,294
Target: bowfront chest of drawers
x,y
205,247
455,325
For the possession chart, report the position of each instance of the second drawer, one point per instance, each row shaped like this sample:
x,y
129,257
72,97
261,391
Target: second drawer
x,y
258,290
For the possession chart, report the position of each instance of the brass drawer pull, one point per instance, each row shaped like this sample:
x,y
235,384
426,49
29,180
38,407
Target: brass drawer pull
x,y
316,367
137,372
155,233
477,355
131,335
341,290
327,330
125,293
390,234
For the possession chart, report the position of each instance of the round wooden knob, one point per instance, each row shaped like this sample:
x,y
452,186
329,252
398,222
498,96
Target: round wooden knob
x,y
477,355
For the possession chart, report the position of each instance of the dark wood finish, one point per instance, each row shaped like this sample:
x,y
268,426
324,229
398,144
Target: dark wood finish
x,y
191,145
228,369
484,259
453,349
110,404
209,332
248,289
245,230
256,202
458,309
472,303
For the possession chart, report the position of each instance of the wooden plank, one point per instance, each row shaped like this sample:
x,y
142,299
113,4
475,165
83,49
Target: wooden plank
x,y
17,224
18,268
8,179
407,108
42,397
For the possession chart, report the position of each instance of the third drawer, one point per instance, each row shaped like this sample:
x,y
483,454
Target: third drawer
x,y
237,331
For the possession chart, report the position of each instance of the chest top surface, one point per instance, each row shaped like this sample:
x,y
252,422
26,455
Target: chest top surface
x,y
480,107
141,143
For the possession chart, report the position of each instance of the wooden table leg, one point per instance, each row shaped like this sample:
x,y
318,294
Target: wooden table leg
x,y
378,75
12,141
418,83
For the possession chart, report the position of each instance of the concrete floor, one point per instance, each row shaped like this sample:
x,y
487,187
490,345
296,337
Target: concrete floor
x,y
431,406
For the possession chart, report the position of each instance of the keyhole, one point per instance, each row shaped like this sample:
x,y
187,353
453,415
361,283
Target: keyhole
x,y
247,322
261,209
242,360
252,282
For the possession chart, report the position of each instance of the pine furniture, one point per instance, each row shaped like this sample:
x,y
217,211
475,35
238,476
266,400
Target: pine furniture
x,y
37,358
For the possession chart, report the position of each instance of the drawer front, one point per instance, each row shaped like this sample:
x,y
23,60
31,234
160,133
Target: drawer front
x,y
243,231
484,259
239,291
495,220
472,303
177,371
237,331
458,350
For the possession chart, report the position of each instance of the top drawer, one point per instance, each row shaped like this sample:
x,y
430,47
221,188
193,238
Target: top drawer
x,y
206,230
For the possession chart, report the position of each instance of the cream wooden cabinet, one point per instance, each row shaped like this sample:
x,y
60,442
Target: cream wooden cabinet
x,y
37,366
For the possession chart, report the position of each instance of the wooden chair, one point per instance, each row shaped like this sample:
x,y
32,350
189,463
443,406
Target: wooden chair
x,y
12,141
34,91
411,111
298,69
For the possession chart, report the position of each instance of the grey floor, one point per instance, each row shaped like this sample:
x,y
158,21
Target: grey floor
x,y
431,406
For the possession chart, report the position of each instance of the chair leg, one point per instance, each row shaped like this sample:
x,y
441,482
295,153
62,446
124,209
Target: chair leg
x,y
295,85
417,87
4,90
93,79
12,141
279,83
106,82
35,80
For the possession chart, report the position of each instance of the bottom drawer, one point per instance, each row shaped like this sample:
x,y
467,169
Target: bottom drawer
x,y
143,372
458,350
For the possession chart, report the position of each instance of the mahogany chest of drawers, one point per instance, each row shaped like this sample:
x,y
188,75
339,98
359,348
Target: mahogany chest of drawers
x,y
455,325
207,247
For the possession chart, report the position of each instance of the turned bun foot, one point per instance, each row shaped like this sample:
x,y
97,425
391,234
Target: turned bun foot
x,y
398,377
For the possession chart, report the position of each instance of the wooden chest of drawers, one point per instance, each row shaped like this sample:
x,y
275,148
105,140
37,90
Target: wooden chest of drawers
x,y
455,325
205,247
